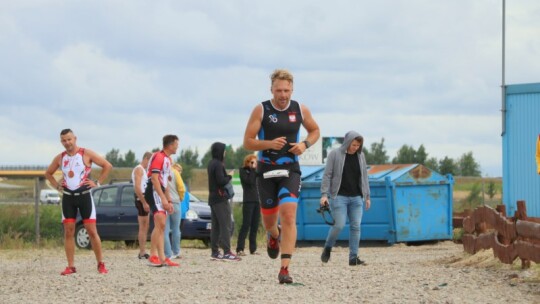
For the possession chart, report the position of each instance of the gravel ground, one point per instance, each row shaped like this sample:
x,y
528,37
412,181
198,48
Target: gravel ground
x,y
432,273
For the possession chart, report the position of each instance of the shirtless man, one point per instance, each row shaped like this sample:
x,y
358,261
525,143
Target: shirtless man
x,y
139,178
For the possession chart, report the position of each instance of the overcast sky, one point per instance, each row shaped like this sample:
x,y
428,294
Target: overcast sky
x,y
122,74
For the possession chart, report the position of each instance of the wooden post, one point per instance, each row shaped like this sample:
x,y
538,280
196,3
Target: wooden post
x,y
36,209
521,214
501,209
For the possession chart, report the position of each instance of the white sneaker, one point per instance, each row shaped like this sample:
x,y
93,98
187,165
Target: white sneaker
x,y
175,256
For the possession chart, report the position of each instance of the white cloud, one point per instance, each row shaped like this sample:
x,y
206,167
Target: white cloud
x,y
123,74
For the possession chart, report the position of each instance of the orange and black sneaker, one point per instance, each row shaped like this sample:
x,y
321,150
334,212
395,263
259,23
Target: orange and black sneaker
x,y
168,262
284,277
154,261
272,245
101,268
68,271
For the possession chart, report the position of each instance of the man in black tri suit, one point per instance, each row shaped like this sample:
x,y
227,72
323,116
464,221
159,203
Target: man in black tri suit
x,y
273,130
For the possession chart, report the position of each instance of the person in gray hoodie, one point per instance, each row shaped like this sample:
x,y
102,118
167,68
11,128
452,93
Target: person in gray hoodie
x,y
345,188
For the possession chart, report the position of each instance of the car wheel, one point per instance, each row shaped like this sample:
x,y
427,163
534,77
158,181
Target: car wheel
x,y
82,239
206,242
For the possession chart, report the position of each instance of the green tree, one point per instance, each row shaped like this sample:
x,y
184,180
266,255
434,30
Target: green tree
x,y
491,190
377,155
114,158
448,166
420,156
432,163
119,161
188,157
474,198
189,160
405,155
207,157
368,156
230,157
129,159
468,166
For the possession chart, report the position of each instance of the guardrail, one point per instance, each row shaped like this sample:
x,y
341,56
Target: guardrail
x,y
510,238
23,167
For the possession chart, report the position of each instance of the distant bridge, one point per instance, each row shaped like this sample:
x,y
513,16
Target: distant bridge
x,y
24,171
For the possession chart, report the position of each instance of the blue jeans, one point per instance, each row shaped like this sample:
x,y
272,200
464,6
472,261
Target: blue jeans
x,y
343,206
173,220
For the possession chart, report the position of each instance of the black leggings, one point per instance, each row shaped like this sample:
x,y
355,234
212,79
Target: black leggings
x,y
251,216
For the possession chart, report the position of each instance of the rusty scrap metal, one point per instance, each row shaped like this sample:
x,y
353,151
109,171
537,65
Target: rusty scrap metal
x,y
487,228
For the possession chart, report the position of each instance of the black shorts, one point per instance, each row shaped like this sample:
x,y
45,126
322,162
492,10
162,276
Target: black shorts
x,y
139,206
153,199
278,190
82,201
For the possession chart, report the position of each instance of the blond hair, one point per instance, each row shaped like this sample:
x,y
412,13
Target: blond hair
x,y
281,74
248,159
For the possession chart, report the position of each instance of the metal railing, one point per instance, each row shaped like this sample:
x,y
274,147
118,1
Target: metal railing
x,y
23,167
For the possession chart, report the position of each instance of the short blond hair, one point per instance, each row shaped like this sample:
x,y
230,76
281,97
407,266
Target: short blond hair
x,y
281,74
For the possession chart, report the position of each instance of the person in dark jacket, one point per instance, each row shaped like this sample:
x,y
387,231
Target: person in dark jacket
x,y
251,210
219,205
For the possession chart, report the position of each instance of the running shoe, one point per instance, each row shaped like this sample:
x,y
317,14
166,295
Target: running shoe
x,y
154,261
231,257
216,256
356,261
272,245
144,256
240,253
325,256
175,256
101,268
168,262
284,277
68,271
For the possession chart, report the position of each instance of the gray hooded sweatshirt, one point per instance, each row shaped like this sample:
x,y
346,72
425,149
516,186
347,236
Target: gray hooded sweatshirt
x,y
333,171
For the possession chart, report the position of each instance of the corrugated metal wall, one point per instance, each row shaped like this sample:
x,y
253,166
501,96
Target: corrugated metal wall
x,y
520,178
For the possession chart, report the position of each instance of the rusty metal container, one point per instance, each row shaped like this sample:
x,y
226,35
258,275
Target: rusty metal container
x,y
409,203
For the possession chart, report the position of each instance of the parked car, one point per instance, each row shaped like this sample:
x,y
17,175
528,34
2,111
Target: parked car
x,y
48,196
116,217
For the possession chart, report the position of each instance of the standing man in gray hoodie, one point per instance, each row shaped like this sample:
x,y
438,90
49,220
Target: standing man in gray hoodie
x,y
345,183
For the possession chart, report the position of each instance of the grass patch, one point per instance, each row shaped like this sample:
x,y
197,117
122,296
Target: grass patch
x,y
18,229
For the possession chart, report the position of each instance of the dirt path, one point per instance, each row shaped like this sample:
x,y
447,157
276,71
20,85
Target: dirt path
x,y
437,273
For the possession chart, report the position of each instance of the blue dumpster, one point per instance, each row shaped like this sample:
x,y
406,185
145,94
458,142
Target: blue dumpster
x,y
409,203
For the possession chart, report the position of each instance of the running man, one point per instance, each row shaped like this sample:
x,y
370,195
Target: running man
x,y
76,163
158,197
276,123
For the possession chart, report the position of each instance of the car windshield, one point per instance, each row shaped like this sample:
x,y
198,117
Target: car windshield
x,y
53,195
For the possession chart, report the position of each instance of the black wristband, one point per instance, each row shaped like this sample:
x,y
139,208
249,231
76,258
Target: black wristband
x,y
307,144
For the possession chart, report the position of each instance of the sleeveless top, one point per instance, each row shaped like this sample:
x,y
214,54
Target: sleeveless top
x,y
160,163
74,170
277,123
144,177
